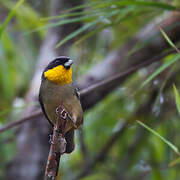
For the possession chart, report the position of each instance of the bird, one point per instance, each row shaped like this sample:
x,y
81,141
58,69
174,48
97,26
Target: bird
x,y
57,88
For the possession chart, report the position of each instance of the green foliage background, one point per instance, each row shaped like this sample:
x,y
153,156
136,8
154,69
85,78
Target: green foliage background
x,y
107,26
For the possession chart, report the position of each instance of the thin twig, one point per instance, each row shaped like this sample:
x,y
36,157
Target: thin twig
x,y
120,75
58,145
94,87
18,122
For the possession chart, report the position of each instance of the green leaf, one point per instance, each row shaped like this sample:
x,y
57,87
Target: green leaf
x,y
73,14
62,22
85,5
172,146
107,4
88,35
160,69
10,16
75,33
177,97
168,40
121,16
85,27
137,3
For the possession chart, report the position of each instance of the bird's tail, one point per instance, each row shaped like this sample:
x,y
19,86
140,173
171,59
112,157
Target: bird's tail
x,y
69,136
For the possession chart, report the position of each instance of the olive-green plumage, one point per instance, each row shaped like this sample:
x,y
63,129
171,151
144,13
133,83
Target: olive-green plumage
x,y
51,95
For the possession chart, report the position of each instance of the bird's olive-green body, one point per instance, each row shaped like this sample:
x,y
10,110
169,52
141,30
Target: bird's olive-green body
x,y
52,95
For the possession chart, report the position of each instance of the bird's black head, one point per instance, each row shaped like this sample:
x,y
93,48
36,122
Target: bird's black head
x,y
61,60
65,61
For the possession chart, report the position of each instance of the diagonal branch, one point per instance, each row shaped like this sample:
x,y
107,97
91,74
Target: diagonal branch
x,y
21,121
116,79
108,84
129,56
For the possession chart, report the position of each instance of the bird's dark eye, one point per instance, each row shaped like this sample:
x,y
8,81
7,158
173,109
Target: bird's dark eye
x,y
68,64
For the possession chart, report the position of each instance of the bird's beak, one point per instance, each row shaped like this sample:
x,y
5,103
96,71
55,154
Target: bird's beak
x,y
68,64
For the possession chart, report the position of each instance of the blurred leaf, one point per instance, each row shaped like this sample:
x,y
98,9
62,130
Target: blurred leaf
x,y
138,3
173,147
84,28
10,16
177,97
120,17
85,5
62,22
176,3
75,33
88,35
106,7
168,40
172,60
174,162
108,3
26,16
73,14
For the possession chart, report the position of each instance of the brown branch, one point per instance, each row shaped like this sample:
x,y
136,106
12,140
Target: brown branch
x,y
128,56
116,78
18,122
96,87
58,144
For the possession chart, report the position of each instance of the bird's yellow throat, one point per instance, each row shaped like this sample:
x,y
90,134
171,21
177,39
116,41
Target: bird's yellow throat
x,y
59,75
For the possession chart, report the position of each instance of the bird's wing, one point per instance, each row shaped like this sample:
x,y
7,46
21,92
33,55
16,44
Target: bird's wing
x,y
43,109
76,92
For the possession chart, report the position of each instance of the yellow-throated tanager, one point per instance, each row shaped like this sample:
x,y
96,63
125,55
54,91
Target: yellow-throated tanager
x,y
57,89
